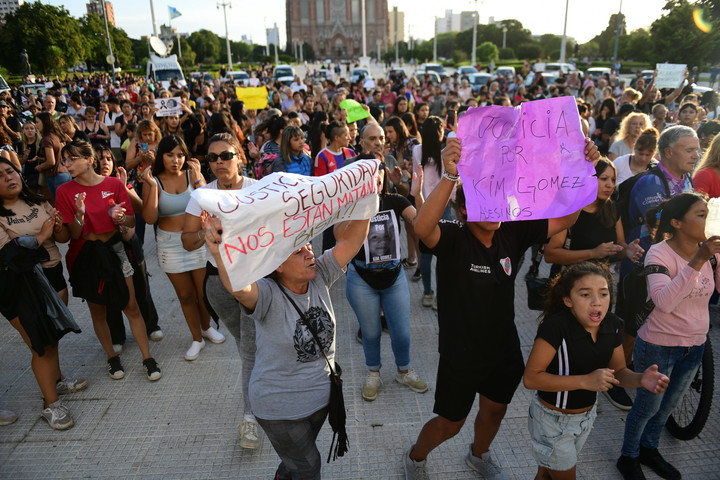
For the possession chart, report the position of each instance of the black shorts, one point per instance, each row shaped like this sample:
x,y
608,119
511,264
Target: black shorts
x,y
456,387
55,277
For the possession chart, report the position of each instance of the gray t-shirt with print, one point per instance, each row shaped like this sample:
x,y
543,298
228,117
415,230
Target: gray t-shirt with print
x,y
290,379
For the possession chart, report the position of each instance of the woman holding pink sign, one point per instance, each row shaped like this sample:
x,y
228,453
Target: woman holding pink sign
x,y
479,344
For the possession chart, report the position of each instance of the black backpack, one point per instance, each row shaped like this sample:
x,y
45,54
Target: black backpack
x,y
637,305
623,197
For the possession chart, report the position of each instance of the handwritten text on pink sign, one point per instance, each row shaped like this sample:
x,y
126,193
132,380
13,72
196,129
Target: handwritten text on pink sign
x,y
525,162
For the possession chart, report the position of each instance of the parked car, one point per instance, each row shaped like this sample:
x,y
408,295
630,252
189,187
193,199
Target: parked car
x,y
503,71
284,74
238,78
597,72
435,67
358,73
479,80
434,76
466,70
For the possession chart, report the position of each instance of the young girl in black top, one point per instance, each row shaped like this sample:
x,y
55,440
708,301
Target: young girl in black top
x,y
577,352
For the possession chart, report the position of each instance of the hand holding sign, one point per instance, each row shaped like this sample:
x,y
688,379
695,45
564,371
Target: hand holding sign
x,y
524,163
267,221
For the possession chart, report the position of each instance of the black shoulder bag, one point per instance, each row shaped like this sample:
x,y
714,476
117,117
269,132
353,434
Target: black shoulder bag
x,y
336,407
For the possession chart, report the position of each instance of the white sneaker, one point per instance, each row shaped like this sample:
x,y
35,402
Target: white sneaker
x,y
485,466
373,382
117,348
7,417
412,381
427,300
213,335
194,350
250,434
157,335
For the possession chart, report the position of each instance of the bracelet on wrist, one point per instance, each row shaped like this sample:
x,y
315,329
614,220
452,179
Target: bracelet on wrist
x,y
78,221
200,234
196,183
453,177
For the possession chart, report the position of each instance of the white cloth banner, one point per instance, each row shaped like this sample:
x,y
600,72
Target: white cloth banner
x,y
264,223
669,75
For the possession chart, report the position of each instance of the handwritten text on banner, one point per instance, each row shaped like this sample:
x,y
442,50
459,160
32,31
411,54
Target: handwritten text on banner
x,y
525,162
264,223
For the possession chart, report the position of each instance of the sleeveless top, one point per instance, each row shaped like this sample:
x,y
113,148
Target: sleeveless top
x,y
173,204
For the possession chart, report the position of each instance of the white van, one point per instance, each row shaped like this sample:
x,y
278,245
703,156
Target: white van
x,y
164,69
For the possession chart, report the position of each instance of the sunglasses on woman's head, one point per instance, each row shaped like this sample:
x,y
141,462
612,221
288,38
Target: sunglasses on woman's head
x,y
225,156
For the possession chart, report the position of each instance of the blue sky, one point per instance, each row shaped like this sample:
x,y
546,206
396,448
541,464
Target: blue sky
x,y
585,18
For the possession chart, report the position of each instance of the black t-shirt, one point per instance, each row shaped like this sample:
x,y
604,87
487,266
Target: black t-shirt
x,y
476,290
382,242
588,232
577,354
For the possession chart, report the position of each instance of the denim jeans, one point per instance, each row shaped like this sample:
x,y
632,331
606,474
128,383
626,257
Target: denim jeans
x,y
242,328
294,442
395,301
53,182
649,411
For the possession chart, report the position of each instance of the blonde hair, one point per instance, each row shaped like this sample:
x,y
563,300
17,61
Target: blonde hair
x,y
23,137
711,157
631,94
624,129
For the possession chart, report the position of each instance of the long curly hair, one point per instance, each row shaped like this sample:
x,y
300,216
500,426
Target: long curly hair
x,y
562,284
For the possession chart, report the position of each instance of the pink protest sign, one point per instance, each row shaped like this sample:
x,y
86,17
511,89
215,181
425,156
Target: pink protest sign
x,y
526,162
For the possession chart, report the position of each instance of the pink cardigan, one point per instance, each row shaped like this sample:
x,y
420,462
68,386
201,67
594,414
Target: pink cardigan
x,y
681,317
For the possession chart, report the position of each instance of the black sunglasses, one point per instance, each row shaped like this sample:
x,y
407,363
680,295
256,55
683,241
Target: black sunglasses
x,y
225,156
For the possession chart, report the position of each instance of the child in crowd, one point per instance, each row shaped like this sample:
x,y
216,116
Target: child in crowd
x,y
577,352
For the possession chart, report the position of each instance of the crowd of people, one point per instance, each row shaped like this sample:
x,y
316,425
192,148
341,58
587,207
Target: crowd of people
x,y
89,162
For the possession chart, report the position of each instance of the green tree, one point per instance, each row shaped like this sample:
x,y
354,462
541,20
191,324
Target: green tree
x,y
676,39
240,51
188,57
206,45
487,52
506,54
590,50
606,39
637,46
50,35
529,51
93,30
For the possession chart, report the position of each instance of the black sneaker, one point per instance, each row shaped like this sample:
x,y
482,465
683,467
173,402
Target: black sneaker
x,y
651,457
630,468
152,369
619,397
115,368
417,276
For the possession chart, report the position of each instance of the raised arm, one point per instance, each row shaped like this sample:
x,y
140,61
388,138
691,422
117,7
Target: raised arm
x,y
350,236
429,214
248,296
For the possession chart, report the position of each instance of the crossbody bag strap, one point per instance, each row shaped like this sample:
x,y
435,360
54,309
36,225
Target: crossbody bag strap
x,y
308,325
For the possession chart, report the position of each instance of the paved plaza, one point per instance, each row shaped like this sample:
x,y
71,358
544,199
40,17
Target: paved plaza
x,y
185,426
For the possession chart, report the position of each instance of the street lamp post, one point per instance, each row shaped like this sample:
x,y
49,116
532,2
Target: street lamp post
x,y
110,58
225,6
504,30
564,37
435,42
474,41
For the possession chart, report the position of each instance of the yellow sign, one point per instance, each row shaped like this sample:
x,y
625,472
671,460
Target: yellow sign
x,y
255,98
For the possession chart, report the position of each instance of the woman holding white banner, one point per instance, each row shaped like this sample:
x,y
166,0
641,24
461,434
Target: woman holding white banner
x,y
225,157
376,280
168,185
290,384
